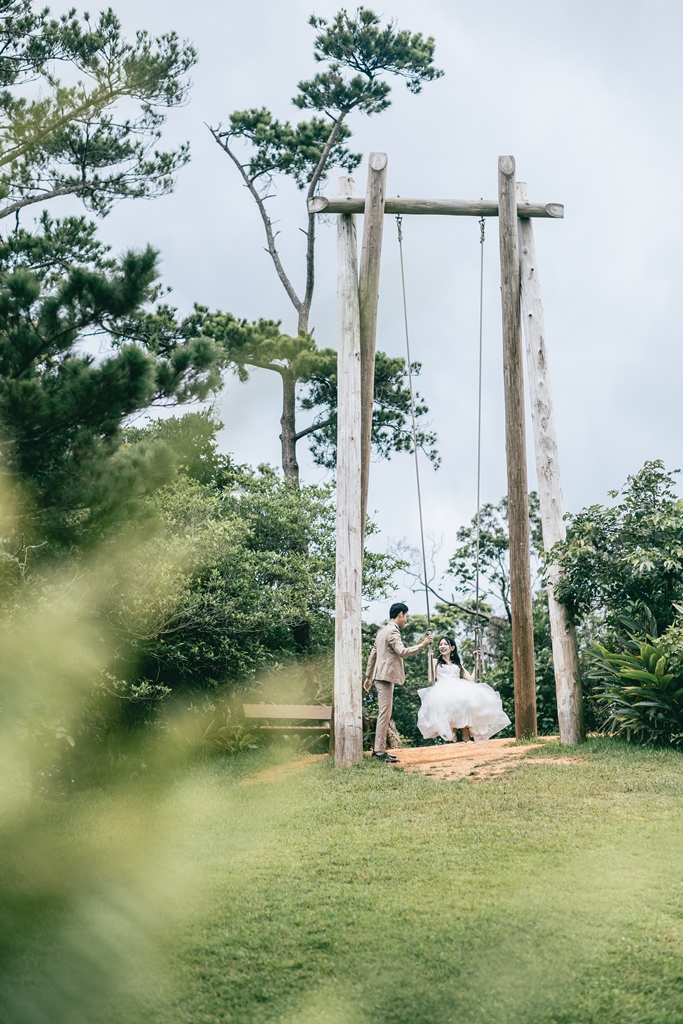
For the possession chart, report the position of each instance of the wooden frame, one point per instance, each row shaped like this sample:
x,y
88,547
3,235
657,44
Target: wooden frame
x,y
357,308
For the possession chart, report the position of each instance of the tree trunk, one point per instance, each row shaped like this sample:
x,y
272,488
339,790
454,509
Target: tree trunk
x,y
394,741
290,466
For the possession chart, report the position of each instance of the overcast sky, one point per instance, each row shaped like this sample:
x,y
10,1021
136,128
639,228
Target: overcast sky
x,y
587,97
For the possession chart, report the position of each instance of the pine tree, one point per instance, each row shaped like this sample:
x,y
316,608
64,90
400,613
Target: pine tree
x,y
62,405
358,54
82,347
58,139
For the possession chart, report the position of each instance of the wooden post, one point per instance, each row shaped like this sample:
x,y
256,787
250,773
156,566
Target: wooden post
x,y
565,657
368,289
515,447
348,669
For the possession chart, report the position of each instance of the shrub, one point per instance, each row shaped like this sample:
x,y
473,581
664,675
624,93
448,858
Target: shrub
x,y
639,693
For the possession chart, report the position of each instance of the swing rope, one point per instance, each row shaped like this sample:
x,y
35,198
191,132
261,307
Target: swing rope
x,y
399,226
477,621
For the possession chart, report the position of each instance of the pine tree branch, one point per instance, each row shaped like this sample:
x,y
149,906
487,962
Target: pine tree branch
x,y
66,190
274,255
99,99
313,427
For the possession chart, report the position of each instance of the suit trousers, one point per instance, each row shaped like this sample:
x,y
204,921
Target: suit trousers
x,y
385,699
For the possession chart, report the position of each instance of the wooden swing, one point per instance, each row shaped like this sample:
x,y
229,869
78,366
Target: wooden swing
x,y
357,314
478,637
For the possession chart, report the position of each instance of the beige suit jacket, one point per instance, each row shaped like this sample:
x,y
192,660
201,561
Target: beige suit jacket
x,y
386,657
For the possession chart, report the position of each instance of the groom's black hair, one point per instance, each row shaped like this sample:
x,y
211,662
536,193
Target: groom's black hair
x,y
397,608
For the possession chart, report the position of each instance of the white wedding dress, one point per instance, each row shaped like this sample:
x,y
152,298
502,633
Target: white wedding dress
x,y
457,703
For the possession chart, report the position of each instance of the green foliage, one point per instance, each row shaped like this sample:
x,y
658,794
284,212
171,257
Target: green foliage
x,y
293,150
314,370
251,569
360,44
639,689
208,729
390,415
623,565
61,409
75,138
261,344
494,561
62,403
54,248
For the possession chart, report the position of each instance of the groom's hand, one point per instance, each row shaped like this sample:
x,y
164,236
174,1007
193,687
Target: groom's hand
x,y
367,685
427,640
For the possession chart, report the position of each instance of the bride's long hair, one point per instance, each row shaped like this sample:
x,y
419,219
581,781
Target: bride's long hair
x,y
455,657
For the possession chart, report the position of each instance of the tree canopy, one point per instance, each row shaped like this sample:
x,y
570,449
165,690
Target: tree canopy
x,y
63,404
82,108
494,553
623,565
82,346
255,560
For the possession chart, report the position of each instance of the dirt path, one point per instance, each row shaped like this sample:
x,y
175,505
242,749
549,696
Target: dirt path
x,y
281,771
474,761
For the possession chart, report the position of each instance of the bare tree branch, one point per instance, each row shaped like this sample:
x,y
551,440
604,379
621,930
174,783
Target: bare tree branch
x,y
310,243
275,256
461,607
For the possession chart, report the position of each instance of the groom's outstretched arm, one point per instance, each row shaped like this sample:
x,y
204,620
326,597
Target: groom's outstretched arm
x,y
399,648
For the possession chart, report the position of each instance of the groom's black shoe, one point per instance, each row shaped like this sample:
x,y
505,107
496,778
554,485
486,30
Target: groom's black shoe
x,y
383,756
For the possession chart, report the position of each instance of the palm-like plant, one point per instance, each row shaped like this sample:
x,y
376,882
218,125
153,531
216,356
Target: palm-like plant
x,y
641,696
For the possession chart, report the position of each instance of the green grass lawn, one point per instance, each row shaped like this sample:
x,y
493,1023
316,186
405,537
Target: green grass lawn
x,y
551,895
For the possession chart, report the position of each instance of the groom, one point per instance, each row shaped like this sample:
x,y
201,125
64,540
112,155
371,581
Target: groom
x,y
385,669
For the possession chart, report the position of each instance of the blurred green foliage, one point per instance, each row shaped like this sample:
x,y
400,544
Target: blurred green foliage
x,y
229,587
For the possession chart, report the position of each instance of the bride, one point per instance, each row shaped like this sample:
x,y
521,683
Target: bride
x,y
455,701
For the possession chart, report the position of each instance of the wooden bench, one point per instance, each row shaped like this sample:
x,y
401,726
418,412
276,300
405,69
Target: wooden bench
x,y
266,713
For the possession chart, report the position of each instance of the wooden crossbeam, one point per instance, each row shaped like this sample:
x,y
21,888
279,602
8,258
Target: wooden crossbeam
x,y
437,207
